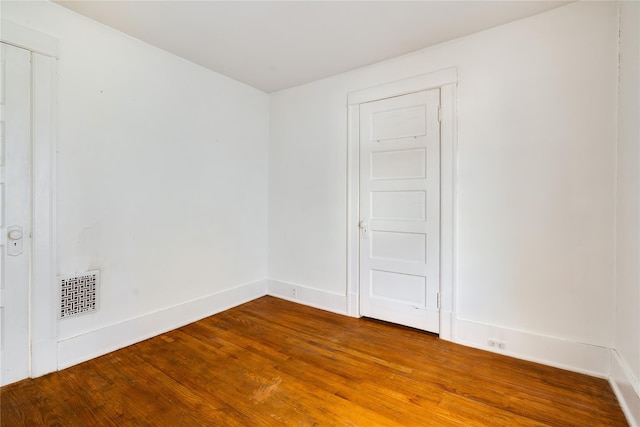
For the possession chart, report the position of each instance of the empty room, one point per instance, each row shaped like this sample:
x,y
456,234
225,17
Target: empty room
x,y
363,213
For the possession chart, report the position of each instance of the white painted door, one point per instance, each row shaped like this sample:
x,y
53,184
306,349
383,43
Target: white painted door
x,y
15,205
400,210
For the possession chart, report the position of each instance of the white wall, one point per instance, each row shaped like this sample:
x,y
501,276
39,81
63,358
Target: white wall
x,y
175,159
162,170
535,192
626,355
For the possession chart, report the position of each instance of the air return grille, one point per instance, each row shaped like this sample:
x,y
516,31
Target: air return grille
x,y
79,293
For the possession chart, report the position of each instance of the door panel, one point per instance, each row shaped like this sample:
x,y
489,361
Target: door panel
x,y
15,207
398,164
400,209
409,205
409,247
396,123
398,287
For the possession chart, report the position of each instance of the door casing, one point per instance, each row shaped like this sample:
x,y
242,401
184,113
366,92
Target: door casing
x,y
446,80
44,49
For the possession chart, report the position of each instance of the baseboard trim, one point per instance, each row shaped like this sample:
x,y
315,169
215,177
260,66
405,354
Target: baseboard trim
x,y
41,365
560,353
626,388
328,301
81,348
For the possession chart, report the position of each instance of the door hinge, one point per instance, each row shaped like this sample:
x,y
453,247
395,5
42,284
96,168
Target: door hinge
x,y
438,300
439,113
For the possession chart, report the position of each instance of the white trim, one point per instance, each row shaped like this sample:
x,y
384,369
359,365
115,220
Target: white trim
x,y
353,211
317,298
43,327
431,80
626,388
448,217
28,39
446,81
353,305
78,349
44,265
560,353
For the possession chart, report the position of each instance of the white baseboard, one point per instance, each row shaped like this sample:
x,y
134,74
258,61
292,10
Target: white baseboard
x,y
570,355
43,357
81,348
626,388
328,301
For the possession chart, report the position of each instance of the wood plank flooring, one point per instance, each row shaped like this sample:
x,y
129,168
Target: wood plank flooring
x,y
273,362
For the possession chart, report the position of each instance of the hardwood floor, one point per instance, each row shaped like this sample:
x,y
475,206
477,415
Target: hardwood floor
x,y
272,362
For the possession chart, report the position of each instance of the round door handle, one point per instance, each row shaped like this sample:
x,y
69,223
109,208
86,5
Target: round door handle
x,y
15,235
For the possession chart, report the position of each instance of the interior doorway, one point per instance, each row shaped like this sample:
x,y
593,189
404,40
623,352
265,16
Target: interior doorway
x,y
29,320
414,153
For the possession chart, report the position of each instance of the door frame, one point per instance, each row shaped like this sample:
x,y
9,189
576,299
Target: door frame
x,y
446,80
42,311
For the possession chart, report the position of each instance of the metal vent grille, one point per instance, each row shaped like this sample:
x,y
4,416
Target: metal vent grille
x,y
79,293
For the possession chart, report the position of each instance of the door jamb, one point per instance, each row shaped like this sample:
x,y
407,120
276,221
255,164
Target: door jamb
x,y
43,319
446,80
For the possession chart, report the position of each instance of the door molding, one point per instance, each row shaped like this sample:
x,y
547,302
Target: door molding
x,y
29,39
446,80
43,320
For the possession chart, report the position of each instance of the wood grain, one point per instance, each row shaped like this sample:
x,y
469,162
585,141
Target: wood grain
x,y
273,362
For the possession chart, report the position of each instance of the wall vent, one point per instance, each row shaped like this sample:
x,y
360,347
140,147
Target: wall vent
x,y
78,293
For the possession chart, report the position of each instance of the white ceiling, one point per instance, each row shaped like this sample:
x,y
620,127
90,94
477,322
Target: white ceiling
x,y
274,45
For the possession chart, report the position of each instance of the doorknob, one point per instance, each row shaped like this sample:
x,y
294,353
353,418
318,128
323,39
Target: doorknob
x,y
364,227
14,244
15,234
